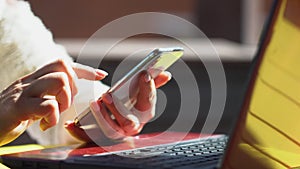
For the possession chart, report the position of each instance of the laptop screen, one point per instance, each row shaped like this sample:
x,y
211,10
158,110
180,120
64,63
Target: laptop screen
x,y
268,132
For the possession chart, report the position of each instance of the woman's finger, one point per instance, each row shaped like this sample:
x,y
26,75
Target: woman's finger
x,y
39,108
76,131
87,72
109,127
162,79
127,121
57,66
53,84
51,118
144,107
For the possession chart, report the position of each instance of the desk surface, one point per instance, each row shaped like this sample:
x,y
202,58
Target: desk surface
x,y
57,154
62,152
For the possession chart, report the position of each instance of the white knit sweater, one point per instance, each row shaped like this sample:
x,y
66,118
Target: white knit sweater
x,y
25,45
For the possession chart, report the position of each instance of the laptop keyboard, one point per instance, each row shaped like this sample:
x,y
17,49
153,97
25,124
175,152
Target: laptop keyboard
x,y
191,153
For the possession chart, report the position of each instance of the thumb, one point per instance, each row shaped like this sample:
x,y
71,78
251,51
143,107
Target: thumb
x,y
76,131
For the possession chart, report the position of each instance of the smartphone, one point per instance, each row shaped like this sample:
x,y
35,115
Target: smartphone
x,y
154,63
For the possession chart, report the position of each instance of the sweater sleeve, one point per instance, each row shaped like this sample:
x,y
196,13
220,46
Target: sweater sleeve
x,y
25,45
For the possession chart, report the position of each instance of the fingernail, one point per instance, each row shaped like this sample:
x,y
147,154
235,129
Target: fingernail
x,y
132,123
67,123
107,99
147,78
169,75
43,126
101,73
129,124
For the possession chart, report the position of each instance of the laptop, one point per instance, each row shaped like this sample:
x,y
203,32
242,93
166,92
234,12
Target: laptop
x,y
266,133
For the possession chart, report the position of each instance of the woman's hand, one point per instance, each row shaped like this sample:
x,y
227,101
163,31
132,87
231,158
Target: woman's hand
x,y
41,95
115,122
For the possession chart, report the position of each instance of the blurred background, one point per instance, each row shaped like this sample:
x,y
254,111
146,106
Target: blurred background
x,y
236,20
233,26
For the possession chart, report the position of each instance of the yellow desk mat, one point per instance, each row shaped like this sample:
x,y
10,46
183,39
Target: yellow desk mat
x,y
16,149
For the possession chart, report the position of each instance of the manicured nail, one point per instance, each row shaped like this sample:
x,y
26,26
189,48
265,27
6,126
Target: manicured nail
x,y
132,123
67,123
147,78
43,126
101,73
168,74
129,125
